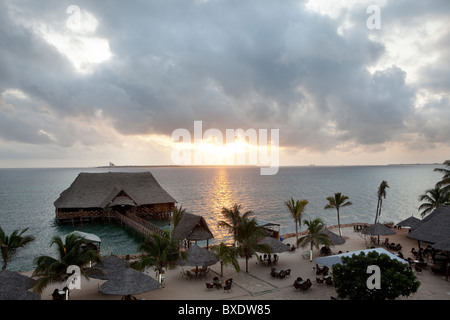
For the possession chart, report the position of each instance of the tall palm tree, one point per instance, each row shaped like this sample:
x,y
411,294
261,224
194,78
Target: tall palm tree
x,y
233,218
381,194
445,182
227,255
161,252
71,251
314,237
177,213
336,202
10,244
433,198
248,234
296,208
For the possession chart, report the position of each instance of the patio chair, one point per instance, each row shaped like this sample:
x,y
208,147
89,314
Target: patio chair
x,y
329,281
56,295
227,288
202,273
306,285
273,273
282,274
296,286
319,280
209,286
216,282
287,272
189,275
229,282
398,247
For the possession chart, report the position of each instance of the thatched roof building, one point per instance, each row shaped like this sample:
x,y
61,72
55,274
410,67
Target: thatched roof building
x,y
192,227
433,228
98,194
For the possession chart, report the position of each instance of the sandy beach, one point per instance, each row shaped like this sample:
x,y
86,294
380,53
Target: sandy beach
x,y
258,284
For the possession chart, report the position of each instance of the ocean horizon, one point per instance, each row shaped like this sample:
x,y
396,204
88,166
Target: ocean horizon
x,y
27,196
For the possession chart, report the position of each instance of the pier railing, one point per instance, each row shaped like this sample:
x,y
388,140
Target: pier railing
x,y
138,224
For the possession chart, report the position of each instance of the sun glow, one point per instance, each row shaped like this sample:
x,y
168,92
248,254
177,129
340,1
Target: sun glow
x,y
217,153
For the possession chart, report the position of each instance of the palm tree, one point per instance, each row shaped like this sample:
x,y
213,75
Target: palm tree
x,y
433,198
248,234
233,218
10,244
161,252
296,208
445,182
381,195
314,237
336,202
71,251
177,213
227,255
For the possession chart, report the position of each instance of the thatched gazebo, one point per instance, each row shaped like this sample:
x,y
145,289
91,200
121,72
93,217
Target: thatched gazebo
x,y
192,227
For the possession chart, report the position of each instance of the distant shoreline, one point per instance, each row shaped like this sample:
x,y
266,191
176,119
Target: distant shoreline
x,y
230,166
256,166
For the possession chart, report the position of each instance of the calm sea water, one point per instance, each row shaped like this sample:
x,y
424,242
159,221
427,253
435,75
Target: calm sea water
x,y
27,196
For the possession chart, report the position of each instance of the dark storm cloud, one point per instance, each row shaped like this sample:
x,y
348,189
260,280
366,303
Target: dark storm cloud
x,y
231,64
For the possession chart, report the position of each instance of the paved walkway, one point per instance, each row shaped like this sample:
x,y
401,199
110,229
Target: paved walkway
x,y
250,283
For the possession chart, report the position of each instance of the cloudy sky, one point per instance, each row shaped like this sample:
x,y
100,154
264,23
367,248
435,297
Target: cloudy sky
x,y
83,83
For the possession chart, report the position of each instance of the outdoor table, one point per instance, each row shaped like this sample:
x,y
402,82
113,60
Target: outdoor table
x,y
196,271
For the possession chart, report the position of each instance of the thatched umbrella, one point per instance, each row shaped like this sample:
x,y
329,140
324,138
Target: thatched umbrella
x,y
333,237
197,256
408,222
378,229
105,268
275,245
128,282
14,286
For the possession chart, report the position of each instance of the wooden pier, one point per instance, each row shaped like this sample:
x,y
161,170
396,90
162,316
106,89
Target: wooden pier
x,y
138,224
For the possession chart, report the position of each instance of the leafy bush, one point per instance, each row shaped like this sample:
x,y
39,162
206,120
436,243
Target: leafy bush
x,y
350,277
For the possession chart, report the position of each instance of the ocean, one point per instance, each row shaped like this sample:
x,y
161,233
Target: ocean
x,y
27,197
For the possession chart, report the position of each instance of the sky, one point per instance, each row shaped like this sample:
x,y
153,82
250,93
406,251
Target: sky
x,y
85,83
